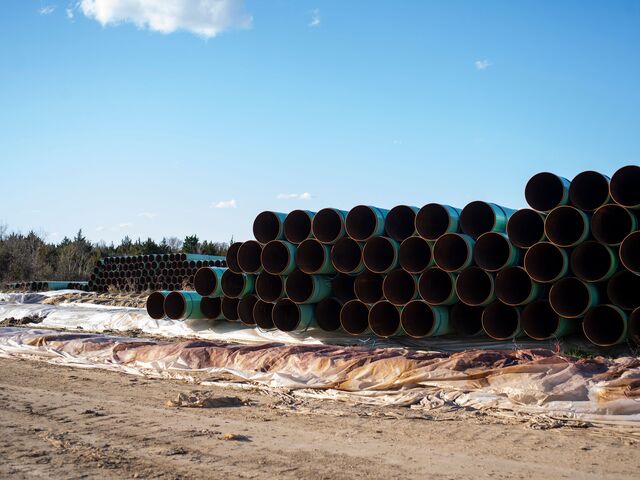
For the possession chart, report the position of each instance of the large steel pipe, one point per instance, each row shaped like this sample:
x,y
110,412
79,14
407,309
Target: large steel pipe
x,y
211,307
541,322
593,262
566,226
475,287
415,255
502,322
438,287
364,222
466,320
208,281
297,225
380,254
328,314
182,305
419,319
346,256
525,228
269,288
342,286
229,308
623,289
546,191
624,186
354,317
269,226
400,287
262,315
304,288
314,257
249,257
515,287
328,225
368,287
453,252
589,190
572,298
434,220
479,217
400,222
237,285
605,325
546,262
155,304
634,326
278,257
494,251
611,223
245,309
289,316
630,252
384,320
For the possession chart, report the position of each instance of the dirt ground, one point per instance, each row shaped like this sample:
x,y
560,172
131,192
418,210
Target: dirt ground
x,y
62,422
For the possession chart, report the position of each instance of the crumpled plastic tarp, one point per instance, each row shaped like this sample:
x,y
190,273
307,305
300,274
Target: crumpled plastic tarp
x,y
533,381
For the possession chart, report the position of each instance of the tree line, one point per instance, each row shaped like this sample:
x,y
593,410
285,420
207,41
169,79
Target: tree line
x,y
31,257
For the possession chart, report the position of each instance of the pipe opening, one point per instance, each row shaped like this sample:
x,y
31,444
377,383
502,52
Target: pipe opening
x,y
354,317
297,226
299,286
570,297
155,305
275,257
368,287
474,286
451,252
566,226
328,225
501,321
624,186
400,222
591,261
232,283
266,227
361,223
634,326
346,255
605,325
286,315
466,320
539,320
205,281
211,307
525,228
418,319
328,314
384,319
589,190
249,256
399,287
514,286
432,221
379,254
415,254
630,252
245,309
545,262
230,308
311,256
492,251
477,218
342,286
269,287
175,305
623,290
262,314
544,191
436,286
610,224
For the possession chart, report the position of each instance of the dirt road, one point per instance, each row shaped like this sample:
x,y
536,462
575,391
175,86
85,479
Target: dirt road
x,y
60,422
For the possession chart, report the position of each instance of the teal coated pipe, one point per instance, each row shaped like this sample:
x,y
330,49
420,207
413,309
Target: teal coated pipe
x,y
263,315
480,217
453,252
384,320
400,222
297,225
466,320
515,287
494,251
208,281
589,190
611,223
354,317
56,285
155,304
594,262
304,288
346,256
572,298
566,226
328,225
435,219
606,325
365,222
269,226
183,305
211,308
525,228
279,257
419,319
232,257
502,322
314,257
438,287
400,287
629,249
380,254
270,288
415,255
541,322
292,317
624,187
237,285
475,287
194,257
249,257
546,191
546,262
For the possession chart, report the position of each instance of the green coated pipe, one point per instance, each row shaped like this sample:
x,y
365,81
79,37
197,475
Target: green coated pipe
x,y
624,187
384,320
211,308
438,287
435,219
399,223
314,257
415,254
380,254
480,217
270,288
466,320
525,228
572,298
155,304
566,226
494,251
304,288
589,190
194,257
453,252
269,226
278,257
630,252
541,322
237,285
365,222
546,191
346,256
515,287
328,225
292,317
594,262
297,225
400,287
354,317
502,322
606,325
183,305
419,319
475,287
546,262
208,281
611,223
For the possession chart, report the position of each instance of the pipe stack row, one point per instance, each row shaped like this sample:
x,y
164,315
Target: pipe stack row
x,y
136,273
48,285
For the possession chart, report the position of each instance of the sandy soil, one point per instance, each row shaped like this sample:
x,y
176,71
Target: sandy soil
x,y
61,422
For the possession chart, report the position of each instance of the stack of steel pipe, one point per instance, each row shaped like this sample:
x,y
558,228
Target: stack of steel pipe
x,y
43,286
169,271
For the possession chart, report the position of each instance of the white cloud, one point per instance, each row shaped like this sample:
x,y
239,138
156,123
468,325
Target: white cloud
x,y
225,204
482,64
315,18
47,10
69,12
294,196
148,215
206,18
125,225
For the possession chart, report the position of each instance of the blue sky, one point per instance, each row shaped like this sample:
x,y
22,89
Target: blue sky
x,y
125,119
